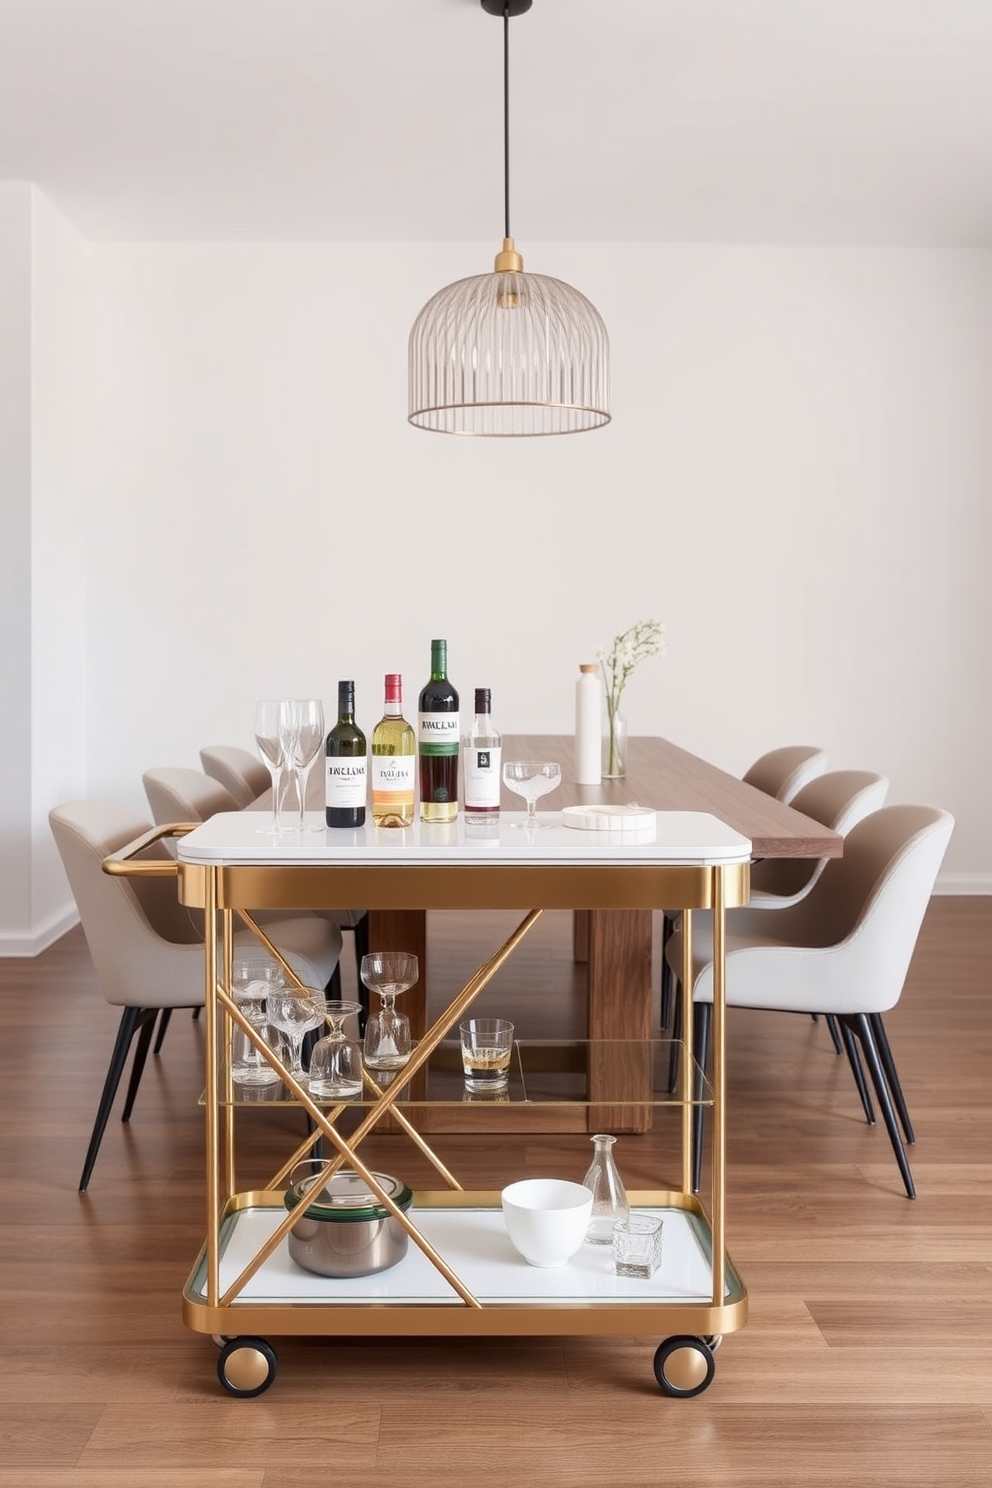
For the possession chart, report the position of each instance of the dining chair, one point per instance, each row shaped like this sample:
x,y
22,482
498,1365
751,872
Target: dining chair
x,y
844,949
238,770
178,794
146,948
784,771
838,799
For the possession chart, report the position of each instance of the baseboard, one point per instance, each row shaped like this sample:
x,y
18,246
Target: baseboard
x,y
33,942
964,883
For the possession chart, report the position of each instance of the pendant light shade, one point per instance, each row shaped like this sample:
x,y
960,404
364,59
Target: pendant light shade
x,y
509,353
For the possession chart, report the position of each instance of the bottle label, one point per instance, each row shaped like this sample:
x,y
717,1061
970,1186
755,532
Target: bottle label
x,y
482,777
438,733
347,782
393,778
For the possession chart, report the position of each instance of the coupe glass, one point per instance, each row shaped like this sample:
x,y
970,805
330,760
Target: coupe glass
x,y
295,1011
303,738
387,1033
336,1061
269,741
531,779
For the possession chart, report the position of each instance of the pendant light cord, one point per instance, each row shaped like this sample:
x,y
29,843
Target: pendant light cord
x,y
506,121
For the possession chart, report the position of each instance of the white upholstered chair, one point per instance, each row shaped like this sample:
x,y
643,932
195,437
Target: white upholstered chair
x,y
784,771
844,949
238,770
177,794
147,949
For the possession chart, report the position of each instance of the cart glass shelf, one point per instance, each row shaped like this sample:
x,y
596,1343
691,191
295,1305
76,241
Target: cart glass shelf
x,y
542,1072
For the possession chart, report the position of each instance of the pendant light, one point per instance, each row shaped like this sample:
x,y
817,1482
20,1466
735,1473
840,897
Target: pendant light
x,y
509,353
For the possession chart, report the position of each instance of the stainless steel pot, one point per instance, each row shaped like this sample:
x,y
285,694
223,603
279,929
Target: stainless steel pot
x,y
345,1229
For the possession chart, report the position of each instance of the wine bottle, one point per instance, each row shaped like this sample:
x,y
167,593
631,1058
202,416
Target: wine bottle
x,y
346,765
438,741
481,753
394,761
588,727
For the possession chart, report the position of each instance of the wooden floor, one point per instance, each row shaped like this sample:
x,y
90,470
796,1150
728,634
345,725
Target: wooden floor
x,y
867,1358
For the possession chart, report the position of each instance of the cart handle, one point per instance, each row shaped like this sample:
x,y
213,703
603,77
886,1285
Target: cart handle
x,y
120,863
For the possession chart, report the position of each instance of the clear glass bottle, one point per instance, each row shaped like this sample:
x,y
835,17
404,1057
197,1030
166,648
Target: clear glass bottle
x,y
393,761
609,1199
438,741
347,765
481,754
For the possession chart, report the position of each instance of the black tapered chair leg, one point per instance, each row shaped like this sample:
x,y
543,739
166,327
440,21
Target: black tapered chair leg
x,y
332,988
837,1038
854,1060
859,1023
125,1033
889,1066
361,934
702,1022
145,1028
675,1051
163,1025
667,975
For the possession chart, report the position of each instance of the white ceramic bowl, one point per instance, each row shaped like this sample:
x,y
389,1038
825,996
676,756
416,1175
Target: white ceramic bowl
x,y
547,1218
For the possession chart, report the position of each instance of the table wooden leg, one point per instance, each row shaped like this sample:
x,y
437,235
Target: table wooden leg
x,y
580,935
620,1001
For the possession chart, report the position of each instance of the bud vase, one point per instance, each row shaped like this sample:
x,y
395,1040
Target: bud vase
x,y
614,745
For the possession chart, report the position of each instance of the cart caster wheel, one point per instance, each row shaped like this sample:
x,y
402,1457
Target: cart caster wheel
x,y
684,1366
246,1367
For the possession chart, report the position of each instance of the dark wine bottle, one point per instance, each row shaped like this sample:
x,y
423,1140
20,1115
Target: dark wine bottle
x,y
438,741
347,765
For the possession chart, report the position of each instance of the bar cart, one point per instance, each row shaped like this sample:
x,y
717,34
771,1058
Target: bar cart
x,y
460,1275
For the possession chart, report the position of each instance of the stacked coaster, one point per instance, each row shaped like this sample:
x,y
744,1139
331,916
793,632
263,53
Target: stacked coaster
x,y
608,818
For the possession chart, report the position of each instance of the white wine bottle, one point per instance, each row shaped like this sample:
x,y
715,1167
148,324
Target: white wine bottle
x,y
481,753
347,765
393,760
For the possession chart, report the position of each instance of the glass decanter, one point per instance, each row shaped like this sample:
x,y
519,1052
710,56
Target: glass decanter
x,y
609,1200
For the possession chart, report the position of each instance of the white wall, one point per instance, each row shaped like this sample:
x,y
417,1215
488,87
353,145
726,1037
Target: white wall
x,y
796,481
45,348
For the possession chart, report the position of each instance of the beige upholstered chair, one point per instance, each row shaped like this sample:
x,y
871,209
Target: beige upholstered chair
x,y
238,770
844,949
176,794
146,948
782,772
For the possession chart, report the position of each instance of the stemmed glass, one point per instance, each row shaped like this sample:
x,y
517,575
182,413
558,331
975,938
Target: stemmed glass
x,y
336,1061
254,977
295,1011
531,779
303,735
387,1033
269,740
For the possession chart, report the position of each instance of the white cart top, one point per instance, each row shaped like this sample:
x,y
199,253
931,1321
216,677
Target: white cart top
x,y
242,837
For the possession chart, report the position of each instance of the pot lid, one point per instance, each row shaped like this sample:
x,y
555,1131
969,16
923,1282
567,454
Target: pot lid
x,y
347,1197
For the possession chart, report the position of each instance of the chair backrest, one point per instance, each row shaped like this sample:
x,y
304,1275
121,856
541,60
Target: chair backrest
x,y
782,772
240,771
870,904
146,950
181,795
837,799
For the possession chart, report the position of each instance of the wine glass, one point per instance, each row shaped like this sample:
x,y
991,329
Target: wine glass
x,y
531,779
295,1011
303,736
268,738
336,1061
387,1033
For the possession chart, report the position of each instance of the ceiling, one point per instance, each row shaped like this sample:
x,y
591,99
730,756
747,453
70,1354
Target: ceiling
x,y
803,121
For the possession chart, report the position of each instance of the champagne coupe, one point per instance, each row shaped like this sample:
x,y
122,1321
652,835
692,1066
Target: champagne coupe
x,y
304,737
336,1061
387,1033
295,1011
268,738
531,779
